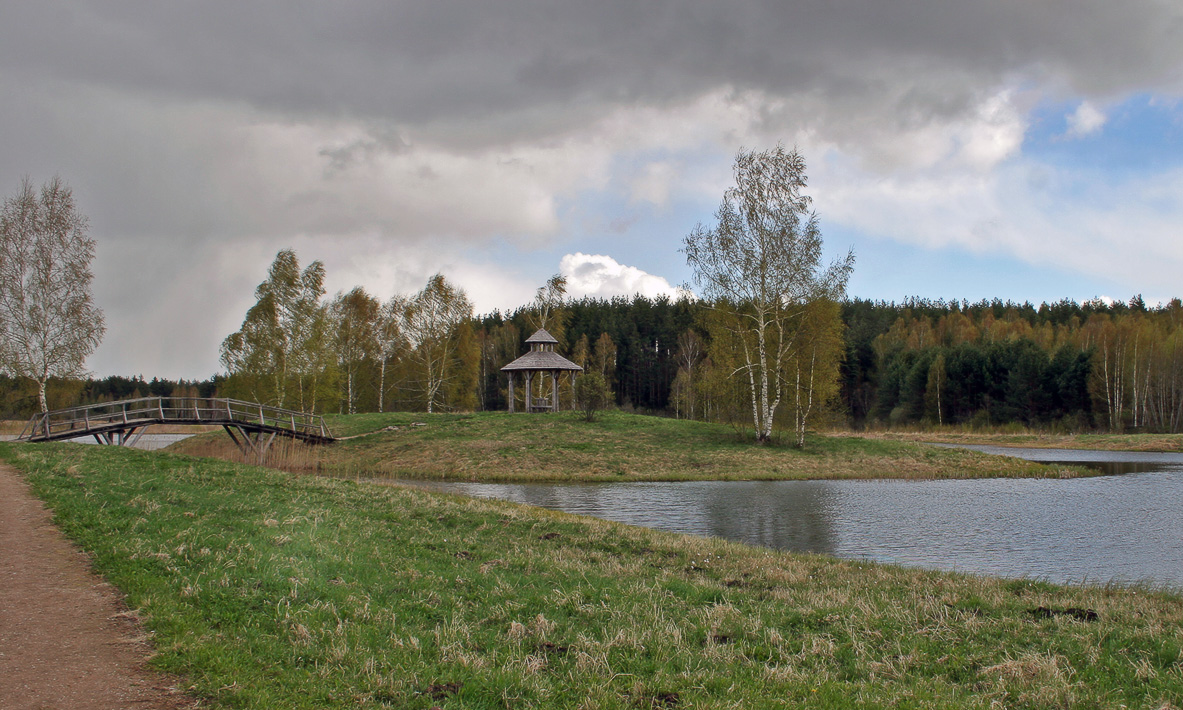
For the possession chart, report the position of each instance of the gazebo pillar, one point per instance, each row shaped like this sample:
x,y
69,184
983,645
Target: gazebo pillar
x,y
511,379
554,390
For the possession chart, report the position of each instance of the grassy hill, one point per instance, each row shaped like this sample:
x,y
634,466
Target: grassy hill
x,y
497,446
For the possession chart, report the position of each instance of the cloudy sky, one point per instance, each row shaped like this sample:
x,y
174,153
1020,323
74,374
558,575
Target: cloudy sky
x,y
1020,149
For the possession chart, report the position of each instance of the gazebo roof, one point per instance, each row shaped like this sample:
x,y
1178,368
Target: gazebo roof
x,y
541,336
541,360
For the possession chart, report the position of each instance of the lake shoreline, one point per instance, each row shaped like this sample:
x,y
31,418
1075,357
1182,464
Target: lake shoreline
x,y
497,446
1166,443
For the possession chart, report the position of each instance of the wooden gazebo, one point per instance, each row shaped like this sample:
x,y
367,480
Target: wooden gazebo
x,y
541,360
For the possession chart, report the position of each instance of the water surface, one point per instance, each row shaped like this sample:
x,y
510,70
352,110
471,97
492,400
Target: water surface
x,y
147,442
1118,528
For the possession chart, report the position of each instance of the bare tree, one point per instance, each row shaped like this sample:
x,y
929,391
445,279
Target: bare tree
x,y
548,304
431,322
761,265
48,323
690,353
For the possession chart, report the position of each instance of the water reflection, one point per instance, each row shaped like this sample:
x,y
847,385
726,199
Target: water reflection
x,y
758,513
147,442
1112,528
769,514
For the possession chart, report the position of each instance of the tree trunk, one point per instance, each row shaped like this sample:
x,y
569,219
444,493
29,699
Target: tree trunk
x,y
765,425
381,384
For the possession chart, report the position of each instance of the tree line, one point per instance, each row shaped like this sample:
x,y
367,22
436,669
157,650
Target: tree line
x,y
1093,365
19,396
428,351
1064,365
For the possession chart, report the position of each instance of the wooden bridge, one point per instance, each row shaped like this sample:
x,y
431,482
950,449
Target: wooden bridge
x,y
252,426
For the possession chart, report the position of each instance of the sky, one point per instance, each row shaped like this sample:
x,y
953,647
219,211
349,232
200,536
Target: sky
x,y
1028,150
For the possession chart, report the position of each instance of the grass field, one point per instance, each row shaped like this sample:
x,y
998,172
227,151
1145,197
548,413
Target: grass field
x,y
266,589
496,446
1032,439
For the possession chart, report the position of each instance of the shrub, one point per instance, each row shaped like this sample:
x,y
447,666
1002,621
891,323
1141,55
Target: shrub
x,y
591,393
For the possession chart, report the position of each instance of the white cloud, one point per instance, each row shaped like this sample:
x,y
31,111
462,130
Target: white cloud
x,y
1087,222
1086,120
654,183
601,276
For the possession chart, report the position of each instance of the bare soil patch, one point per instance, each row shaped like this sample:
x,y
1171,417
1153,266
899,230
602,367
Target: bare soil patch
x,y
66,638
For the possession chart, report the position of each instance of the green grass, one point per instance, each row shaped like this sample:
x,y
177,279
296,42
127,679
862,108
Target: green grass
x,y
267,590
497,446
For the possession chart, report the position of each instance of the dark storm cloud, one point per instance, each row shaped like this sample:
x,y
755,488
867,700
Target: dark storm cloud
x,y
201,137
415,63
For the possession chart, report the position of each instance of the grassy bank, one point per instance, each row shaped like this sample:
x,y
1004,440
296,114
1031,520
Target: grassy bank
x,y
496,446
270,590
1033,439
11,427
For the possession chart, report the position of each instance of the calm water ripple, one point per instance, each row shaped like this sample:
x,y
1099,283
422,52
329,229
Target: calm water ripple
x,y
1123,528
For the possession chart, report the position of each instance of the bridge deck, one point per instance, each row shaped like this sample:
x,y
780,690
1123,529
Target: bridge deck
x,y
115,422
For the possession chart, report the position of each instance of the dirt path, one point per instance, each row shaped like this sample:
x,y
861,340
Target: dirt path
x,y
66,640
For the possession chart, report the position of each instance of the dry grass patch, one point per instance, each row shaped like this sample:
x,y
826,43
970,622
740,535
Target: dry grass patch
x,y
1036,440
11,427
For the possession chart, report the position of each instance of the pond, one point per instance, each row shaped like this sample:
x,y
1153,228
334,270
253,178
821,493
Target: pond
x,y
1125,528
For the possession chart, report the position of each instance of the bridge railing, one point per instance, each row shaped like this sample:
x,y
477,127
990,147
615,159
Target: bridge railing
x,y
82,420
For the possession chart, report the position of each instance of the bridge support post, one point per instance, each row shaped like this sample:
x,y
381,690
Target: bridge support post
x,y
258,444
120,437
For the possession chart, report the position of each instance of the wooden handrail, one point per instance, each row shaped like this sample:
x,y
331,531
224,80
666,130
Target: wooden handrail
x,y
184,410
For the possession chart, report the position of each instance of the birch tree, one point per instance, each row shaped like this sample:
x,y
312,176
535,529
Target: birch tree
x,y
391,341
761,263
1110,340
814,361
355,321
283,342
603,358
690,352
547,310
430,321
49,324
